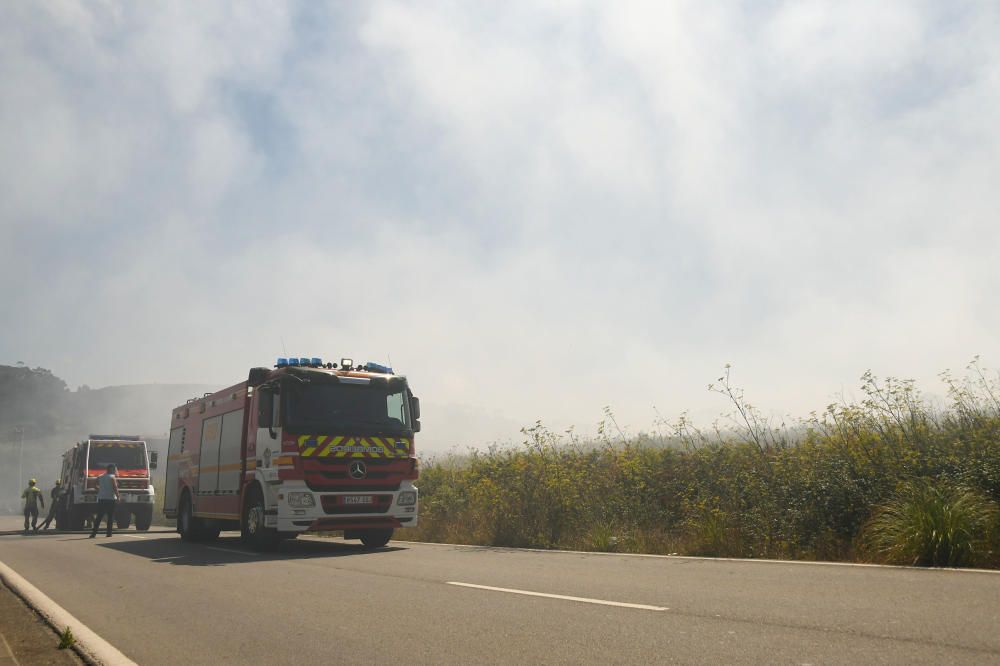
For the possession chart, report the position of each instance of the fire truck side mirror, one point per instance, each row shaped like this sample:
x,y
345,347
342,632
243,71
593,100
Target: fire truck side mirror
x,y
416,426
153,457
415,407
265,409
258,376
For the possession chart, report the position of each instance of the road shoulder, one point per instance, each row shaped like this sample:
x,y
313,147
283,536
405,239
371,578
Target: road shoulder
x,y
25,637
90,646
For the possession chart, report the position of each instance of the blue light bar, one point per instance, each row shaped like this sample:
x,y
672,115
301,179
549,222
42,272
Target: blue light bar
x,y
304,361
282,362
292,360
316,362
375,367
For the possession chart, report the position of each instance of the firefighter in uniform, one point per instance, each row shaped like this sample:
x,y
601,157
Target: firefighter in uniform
x,y
32,496
53,506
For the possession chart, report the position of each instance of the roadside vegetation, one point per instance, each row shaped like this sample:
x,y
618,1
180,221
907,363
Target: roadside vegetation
x,y
890,478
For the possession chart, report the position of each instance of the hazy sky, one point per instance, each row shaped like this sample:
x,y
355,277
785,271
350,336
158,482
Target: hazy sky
x,y
536,209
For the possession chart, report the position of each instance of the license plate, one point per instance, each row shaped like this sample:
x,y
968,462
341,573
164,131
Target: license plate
x,y
359,499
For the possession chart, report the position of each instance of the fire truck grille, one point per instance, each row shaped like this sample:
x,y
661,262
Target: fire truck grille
x,y
334,476
133,484
332,505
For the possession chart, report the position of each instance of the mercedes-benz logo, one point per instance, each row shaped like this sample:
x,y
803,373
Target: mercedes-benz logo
x,y
358,470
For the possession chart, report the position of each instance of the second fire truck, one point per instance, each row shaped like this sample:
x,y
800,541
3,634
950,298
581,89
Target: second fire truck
x,y
300,447
88,460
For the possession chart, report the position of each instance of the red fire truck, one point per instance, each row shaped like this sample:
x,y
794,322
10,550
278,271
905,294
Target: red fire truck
x,y
88,460
300,447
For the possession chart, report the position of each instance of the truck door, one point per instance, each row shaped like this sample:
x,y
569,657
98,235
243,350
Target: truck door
x,y
174,449
208,459
230,469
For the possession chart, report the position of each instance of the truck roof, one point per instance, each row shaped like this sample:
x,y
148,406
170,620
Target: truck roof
x,y
260,375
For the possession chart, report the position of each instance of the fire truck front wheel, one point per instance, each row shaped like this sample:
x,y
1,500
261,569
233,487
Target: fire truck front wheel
x,y
143,518
123,520
253,531
375,538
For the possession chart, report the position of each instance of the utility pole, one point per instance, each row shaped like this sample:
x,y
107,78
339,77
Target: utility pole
x,y
19,431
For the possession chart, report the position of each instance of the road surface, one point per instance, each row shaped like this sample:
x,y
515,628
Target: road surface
x,y
162,601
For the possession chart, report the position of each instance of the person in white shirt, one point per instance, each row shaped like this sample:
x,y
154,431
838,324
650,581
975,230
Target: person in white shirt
x,y
107,497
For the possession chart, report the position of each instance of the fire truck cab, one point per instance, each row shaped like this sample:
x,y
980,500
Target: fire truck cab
x,y
300,447
90,459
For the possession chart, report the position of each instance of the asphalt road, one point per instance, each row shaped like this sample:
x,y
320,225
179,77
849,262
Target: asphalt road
x,y
162,601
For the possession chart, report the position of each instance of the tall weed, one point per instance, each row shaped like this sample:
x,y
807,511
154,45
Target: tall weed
x,y
932,524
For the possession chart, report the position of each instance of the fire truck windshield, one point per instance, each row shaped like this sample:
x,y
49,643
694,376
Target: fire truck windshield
x,y
123,455
330,407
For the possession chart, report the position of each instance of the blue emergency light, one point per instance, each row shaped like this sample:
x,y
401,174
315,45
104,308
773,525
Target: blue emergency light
x,y
293,360
282,362
316,362
375,367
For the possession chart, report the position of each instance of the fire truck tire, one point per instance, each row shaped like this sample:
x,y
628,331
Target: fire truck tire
x,y
123,520
375,538
143,518
252,530
191,528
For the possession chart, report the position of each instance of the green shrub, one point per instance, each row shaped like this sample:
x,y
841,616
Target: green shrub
x,y
601,538
713,535
66,639
932,524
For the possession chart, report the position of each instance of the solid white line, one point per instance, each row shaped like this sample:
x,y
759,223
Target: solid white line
x,y
9,651
134,536
695,558
94,648
585,600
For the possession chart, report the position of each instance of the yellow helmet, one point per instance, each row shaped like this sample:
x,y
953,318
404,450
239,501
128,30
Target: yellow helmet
x,y
32,482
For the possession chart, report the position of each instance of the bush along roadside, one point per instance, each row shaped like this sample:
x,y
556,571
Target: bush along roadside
x,y
933,524
886,479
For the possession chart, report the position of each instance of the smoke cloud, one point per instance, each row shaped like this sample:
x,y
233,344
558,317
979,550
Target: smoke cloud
x,y
534,211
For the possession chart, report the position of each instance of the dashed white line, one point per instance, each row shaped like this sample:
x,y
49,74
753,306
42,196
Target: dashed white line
x,y
586,600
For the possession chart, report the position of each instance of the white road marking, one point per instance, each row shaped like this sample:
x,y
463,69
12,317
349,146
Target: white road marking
x,y
231,550
693,558
134,536
585,600
9,651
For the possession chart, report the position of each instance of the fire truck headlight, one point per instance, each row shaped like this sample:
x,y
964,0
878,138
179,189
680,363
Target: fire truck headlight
x,y
301,499
406,498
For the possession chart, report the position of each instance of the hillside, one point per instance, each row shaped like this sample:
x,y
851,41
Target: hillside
x,y
36,406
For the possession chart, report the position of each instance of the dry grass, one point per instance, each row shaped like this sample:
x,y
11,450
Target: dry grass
x,y
806,492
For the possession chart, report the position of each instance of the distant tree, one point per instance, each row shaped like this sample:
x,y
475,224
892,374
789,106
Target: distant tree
x,y
30,398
